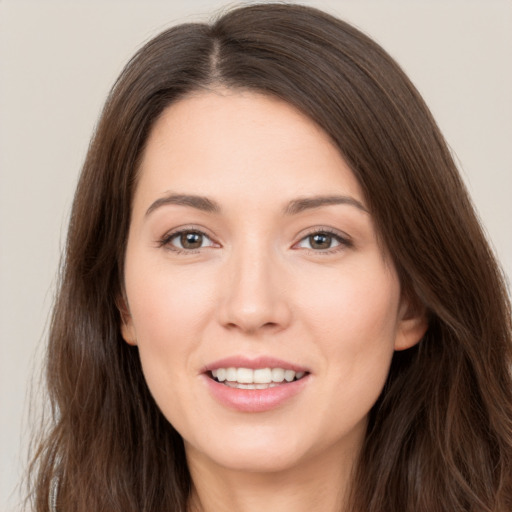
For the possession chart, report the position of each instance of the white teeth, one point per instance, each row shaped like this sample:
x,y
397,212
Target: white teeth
x,y
244,376
237,385
277,374
289,375
261,378
231,374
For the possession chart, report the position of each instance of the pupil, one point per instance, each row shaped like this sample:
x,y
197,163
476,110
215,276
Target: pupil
x,y
320,241
191,240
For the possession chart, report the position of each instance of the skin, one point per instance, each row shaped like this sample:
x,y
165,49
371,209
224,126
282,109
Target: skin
x,y
258,285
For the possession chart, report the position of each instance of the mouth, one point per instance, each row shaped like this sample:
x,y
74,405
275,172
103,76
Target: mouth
x,y
261,378
252,385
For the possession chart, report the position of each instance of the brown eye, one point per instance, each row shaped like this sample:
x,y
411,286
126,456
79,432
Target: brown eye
x,y
191,240
187,241
323,241
320,241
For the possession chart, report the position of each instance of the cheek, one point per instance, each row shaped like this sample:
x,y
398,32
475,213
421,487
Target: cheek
x,y
163,303
169,312
356,303
354,323
354,319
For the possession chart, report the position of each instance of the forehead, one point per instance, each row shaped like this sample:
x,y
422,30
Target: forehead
x,y
240,144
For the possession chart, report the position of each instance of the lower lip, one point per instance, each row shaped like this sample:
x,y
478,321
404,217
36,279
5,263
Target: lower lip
x,y
255,400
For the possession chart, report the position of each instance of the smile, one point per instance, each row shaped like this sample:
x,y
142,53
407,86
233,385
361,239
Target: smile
x,y
253,385
261,378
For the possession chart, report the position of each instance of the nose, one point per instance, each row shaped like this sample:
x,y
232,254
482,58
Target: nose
x,y
254,297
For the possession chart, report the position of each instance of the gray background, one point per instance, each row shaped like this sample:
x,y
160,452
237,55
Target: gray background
x,y
57,63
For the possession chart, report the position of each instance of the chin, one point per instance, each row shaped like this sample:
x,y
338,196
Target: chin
x,y
255,452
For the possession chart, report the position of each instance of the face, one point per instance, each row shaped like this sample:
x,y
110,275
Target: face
x,y
263,306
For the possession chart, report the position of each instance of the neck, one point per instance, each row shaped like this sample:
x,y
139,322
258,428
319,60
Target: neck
x,y
319,484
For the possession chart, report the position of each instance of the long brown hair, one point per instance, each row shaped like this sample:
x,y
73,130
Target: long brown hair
x,y
440,436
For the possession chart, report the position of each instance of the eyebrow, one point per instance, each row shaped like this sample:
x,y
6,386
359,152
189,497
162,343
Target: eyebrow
x,y
294,207
308,203
199,202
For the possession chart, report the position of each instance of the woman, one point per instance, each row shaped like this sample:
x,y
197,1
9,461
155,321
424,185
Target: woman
x,y
276,292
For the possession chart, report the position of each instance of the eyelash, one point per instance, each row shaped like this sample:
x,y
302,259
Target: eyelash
x,y
166,240
343,241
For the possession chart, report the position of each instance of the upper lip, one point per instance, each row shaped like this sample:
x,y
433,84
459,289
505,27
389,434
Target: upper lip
x,y
253,363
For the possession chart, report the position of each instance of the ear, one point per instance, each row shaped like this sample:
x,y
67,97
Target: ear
x,y
127,327
413,324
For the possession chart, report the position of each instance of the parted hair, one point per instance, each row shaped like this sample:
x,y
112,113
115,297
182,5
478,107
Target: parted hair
x,y
439,438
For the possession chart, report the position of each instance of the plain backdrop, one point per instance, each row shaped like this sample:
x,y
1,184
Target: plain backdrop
x,y
58,61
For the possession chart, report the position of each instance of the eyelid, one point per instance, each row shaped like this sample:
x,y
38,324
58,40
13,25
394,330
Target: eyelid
x,y
344,240
165,240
